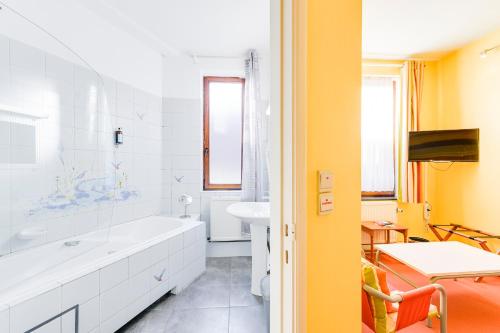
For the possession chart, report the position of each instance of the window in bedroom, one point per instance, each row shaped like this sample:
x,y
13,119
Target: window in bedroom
x,y
222,132
379,110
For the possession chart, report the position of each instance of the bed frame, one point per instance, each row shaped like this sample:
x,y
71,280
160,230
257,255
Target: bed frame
x,y
479,236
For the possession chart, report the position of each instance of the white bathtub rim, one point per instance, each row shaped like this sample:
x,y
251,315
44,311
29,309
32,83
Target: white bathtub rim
x,y
187,224
100,230
33,288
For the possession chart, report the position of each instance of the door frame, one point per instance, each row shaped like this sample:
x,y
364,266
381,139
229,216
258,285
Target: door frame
x,y
283,187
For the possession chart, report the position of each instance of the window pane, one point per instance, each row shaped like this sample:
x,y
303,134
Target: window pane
x,y
225,112
377,134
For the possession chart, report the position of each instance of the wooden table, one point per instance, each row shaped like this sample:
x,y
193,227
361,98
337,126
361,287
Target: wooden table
x,y
371,228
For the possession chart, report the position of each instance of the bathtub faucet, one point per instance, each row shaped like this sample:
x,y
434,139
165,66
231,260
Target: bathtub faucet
x,y
72,243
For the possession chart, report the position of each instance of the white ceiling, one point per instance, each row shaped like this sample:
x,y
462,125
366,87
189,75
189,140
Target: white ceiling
x,y
200,27
428,28
391,28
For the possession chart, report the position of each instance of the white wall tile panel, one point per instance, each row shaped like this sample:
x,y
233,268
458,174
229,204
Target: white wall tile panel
x,y
26,57
112,275
74,146
159,273
52,327
175,263
175,244
190,237
4,320
115,299
139,285
81,290
140,262
88,318
35,311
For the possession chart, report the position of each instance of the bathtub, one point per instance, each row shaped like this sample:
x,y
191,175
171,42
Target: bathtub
x,y
99,281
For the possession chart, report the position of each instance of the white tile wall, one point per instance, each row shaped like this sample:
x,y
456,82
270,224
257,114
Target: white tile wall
x,y
34,311
81,290
160,273
192,253
88,318
186,162
189,274
182,153
26,57
114,300
144,259
175,244
53,326
4,320
137,306
190,237
119,319
76,138
175,263
160,159
139,285
182,158
160,251
89,313
113,274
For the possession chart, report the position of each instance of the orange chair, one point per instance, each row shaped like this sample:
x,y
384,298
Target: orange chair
x,y
407,308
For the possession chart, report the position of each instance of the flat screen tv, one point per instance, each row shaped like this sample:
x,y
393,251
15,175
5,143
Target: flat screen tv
x,y
447,145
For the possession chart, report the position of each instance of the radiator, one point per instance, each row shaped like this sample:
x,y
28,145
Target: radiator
x,y
224,227
377,211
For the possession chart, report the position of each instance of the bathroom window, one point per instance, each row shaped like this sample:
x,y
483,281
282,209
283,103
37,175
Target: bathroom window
x,y
379,110
223,128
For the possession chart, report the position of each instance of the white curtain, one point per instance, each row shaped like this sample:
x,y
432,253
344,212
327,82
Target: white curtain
x,y
377,135
255,169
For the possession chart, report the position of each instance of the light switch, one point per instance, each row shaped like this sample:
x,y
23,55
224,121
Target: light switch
x,y
325,180
325,203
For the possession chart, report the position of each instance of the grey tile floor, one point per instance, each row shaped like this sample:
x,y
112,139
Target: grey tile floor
x,y
219,301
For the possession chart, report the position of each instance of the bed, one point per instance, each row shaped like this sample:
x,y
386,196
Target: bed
x,y
441,260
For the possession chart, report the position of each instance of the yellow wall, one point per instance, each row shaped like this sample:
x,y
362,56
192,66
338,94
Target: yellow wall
x,y
461,91
469,97
333,70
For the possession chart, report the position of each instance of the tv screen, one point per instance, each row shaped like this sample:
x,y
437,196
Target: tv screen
x,y
447,145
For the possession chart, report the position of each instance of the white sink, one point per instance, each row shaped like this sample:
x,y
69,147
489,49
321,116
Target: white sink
x,y
259,217
251,212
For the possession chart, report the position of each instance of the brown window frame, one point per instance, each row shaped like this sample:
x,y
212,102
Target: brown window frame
x,y
207,186
388,194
